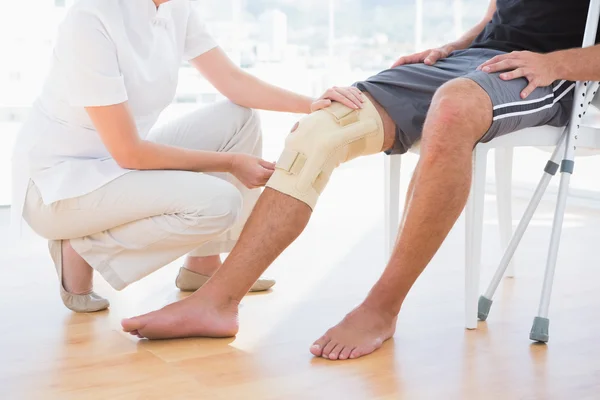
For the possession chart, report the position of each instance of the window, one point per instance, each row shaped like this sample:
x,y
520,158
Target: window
x,y
354,38
294,44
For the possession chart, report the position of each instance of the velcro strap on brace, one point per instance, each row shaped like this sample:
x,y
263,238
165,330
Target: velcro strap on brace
x,y
342,114
291,161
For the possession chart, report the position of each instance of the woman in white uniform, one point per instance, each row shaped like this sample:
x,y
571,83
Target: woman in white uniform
x,y
112,192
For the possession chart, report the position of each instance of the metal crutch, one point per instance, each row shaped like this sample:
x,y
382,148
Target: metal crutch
x,y
585,92
541,323
485,301
552,167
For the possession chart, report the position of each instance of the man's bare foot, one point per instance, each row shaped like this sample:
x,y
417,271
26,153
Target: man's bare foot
x,y
77,273
361,332
190,317
203,265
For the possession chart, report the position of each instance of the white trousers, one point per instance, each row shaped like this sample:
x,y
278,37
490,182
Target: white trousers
x,y
144,220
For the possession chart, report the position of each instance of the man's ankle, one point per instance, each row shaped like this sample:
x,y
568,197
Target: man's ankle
x,y
383,305
217,296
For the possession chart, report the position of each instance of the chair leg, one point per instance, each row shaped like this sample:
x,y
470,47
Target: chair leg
x,y
392,201
474,231
504,168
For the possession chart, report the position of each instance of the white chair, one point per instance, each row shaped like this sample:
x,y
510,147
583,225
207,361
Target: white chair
x,y
503,146
584,136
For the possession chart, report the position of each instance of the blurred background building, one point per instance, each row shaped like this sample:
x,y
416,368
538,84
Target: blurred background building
x,y
289,43
294,44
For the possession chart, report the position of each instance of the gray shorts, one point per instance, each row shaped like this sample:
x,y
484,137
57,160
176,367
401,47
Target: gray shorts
x,y
406,92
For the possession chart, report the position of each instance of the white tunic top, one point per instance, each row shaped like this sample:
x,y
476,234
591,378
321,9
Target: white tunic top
x,y
107,52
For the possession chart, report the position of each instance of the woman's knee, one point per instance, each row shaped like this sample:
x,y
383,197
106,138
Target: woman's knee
x,y
250,119
221,213
246,127
228,206
242,115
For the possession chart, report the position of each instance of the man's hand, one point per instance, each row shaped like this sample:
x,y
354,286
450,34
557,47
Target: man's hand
x,y
539,69
348,96
428,57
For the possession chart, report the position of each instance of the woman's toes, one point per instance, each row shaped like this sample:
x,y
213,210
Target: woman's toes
x,y
318,346
328,348
345,354
335,353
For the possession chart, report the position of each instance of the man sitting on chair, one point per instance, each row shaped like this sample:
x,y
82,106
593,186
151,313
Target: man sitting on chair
x,y
513,70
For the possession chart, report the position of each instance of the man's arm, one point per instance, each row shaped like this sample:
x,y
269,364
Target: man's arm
x,y
465,40
543,69
577,64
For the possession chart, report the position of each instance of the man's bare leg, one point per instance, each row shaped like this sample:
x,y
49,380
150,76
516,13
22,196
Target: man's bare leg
x,y
460,114
276,221
409,196
381,328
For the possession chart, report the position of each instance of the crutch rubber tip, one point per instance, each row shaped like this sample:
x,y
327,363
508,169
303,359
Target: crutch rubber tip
x,y
540,330
483,309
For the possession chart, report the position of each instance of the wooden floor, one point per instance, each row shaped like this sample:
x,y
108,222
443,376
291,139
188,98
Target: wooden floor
x,y
47,352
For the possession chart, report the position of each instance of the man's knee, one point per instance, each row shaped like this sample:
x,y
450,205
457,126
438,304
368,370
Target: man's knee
x,y
322,141
463,109
462,100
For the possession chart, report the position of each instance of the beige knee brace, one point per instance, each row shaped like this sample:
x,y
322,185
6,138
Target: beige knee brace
x,y
322,141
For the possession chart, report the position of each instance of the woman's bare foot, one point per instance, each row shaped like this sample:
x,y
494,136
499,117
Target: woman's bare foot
x,y
193,316
206,266
361,332
77,273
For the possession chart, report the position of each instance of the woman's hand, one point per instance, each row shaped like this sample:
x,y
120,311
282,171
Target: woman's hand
x,y
252,171
348,96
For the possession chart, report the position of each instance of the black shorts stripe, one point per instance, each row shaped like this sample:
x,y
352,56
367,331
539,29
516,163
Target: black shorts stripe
x,y
541,105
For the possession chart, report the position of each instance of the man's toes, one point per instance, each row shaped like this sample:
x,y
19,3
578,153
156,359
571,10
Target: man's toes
x,y
132,324
136,333
364,350
345,353
318,346
356,353
128,325
328,348
335,353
